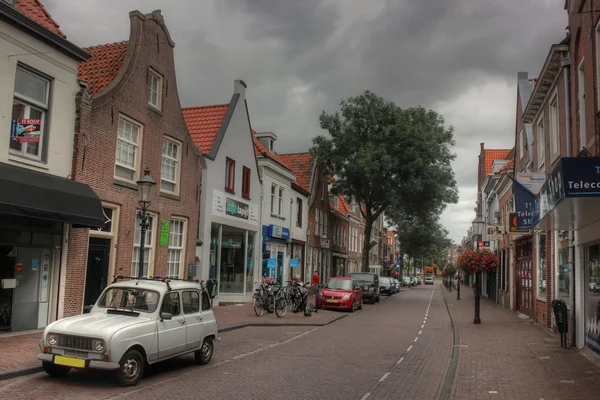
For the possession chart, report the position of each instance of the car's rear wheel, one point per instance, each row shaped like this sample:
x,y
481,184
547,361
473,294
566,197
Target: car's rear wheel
x,y
55,370
205,353
132,368
377,298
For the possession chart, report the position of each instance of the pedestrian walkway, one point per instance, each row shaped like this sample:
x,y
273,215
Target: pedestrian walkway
x,y
18,353
509,358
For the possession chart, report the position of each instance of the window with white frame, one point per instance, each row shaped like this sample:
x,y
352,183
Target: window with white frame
x,y
277,196
148,247
521,144
317,222
155,83
581,104
553,128
324,217
171,166
176,252
128,150
280,199
540,140
273,198
29,111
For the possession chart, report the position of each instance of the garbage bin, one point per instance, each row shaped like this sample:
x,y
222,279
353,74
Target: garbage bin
x,y
562,321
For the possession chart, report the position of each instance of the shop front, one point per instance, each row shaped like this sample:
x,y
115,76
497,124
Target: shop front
x,y
339,264
36,213
569,202
275,241
297,267
231,253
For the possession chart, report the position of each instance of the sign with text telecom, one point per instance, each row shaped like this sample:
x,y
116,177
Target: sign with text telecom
x,y
525,187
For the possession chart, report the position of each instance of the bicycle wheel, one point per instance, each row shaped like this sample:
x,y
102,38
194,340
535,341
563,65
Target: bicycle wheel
x,y
271,304
281,307
259,310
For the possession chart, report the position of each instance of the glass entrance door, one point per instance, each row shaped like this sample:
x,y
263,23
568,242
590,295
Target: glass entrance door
x,y
26,298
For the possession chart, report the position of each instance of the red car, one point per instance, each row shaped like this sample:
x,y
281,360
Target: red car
x,y
341,294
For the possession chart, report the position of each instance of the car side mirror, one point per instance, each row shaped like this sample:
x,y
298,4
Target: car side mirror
x,y
165,315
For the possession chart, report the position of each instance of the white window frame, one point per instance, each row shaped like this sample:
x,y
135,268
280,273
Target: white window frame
x,y
173,248
151,245
553,120
273,198
29,103
581,103
540,139
280,197
177,160
521,144
138,150
537,265
154,76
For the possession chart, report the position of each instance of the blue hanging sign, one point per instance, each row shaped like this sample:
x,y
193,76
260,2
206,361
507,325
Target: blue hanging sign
x,y
294,263
272,263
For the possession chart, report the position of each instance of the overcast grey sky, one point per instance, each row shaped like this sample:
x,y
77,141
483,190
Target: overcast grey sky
x,y
459,57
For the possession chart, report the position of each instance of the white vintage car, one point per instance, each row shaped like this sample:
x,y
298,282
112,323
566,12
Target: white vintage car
x,y
134,323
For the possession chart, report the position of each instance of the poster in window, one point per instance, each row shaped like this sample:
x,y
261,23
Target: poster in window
x,y
26,130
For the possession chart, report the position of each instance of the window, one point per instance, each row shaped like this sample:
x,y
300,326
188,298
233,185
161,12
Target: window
x,y
564,276
541,265
155,89
128,140
335,234
205,301
148,247
230,176
273,198
281,211
171,165
299,212
31,101
521,144
317,222
191,301
171,304
324,217
554,139
540,140
581,104
176,253
246,182
322,189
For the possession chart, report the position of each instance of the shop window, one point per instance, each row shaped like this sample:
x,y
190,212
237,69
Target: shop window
x,y
564,276
128,150
215,250
30,105
246,182
231,270
250,264
170,166
176,251
541,265
592,270
230,175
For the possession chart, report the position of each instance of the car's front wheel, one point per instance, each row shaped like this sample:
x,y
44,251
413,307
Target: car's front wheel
x,y
205,353
55,370
132,368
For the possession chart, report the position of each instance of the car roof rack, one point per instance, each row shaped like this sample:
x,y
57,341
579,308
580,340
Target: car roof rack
x,y
116,278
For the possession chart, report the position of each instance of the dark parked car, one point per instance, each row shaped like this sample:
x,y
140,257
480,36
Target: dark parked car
x,y
369,283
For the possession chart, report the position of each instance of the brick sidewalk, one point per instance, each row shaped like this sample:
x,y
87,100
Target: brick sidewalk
x,y
18,353
509,358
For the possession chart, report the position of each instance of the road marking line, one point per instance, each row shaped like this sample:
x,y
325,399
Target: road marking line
x,y
409,348
365,396
420,332
400,360
417,338
423,326
384,376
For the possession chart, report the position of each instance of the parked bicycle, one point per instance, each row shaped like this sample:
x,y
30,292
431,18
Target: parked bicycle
x,y
264,297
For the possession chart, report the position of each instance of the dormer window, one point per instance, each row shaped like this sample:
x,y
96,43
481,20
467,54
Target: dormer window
x,y
270,146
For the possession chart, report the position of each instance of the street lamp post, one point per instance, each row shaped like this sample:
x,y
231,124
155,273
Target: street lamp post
x,y
478,224
458,282
145,188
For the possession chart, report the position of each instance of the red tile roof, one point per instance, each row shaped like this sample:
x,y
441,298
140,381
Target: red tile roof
x,y
204,123
491,155
104,65
35,10
343,206
509,165
302,165
261,150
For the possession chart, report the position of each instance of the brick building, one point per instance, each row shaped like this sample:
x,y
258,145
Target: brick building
x,y
130,120
505,274
312,177
339,211
356,227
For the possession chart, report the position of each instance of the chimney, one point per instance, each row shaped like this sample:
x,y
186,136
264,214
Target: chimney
x,y
239,86
481,144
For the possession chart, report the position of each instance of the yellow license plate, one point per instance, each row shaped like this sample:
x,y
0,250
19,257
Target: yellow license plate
x,y
332,301
69,362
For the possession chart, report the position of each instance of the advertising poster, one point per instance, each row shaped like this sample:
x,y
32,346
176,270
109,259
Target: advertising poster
x,y
25,130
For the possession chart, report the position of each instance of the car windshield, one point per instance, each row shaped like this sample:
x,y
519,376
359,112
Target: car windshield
x,y
132,299
339,284
384,280
363,277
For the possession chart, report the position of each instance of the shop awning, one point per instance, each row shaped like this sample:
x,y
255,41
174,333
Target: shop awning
x,y
34,194
570,197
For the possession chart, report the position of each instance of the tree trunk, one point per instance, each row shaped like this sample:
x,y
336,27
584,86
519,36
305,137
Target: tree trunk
x,y
367,244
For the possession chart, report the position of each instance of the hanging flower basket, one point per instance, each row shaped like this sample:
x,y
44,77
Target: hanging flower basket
x,y
450,270
478,260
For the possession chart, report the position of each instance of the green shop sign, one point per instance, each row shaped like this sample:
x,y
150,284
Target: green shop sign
x,y
164,233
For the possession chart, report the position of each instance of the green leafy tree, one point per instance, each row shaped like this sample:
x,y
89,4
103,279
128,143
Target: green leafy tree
x,y
382,155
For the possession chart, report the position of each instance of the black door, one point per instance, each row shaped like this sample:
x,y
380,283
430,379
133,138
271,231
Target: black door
x,y
96,272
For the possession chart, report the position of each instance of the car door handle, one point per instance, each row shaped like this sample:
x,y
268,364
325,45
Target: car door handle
x,y
182,322
199,318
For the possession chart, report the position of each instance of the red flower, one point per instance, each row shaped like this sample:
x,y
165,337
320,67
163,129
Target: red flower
x,y
478,260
